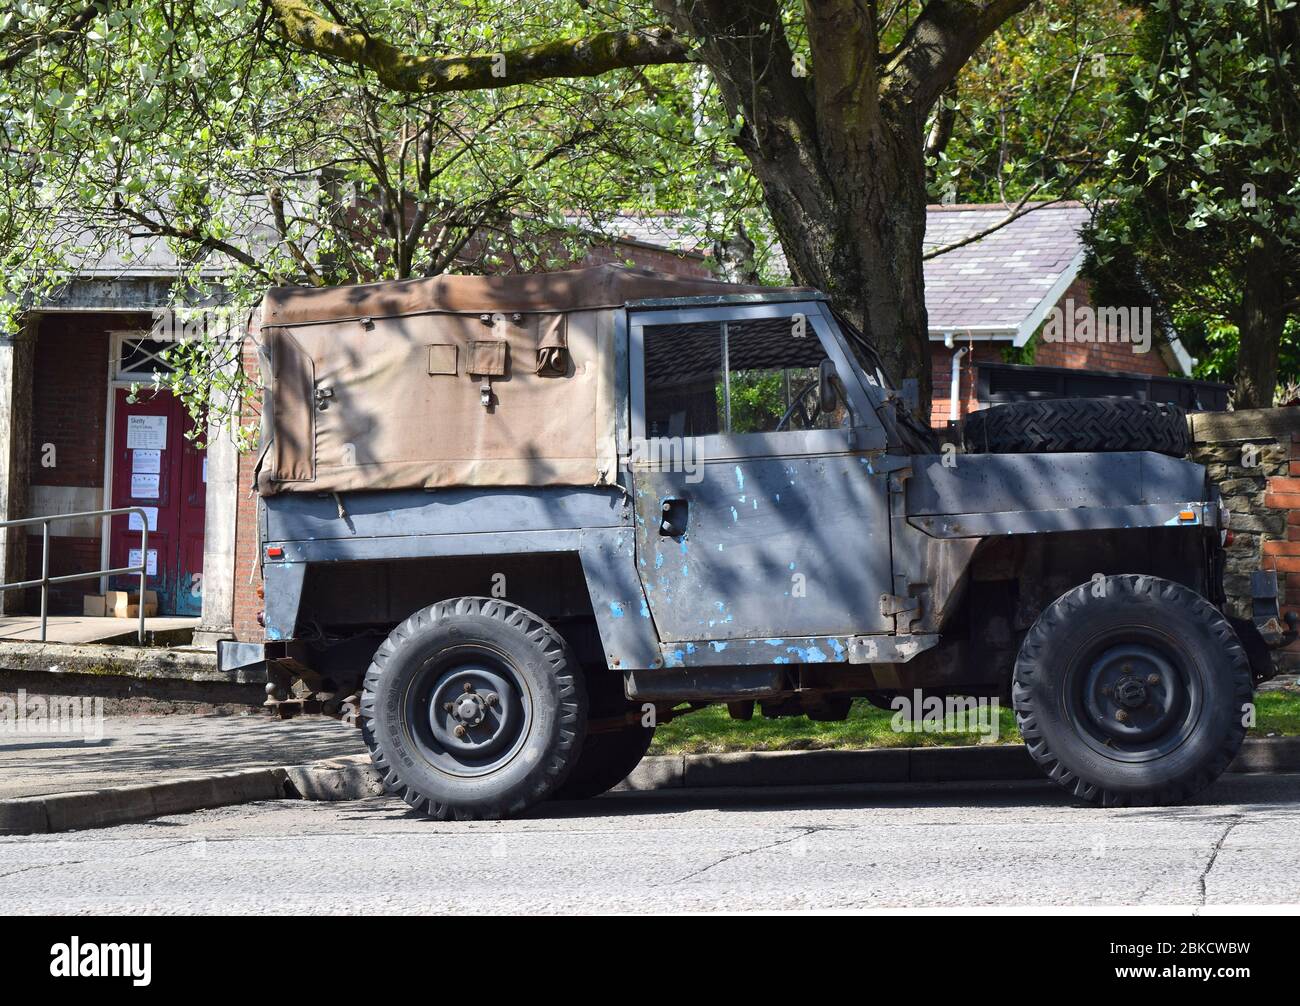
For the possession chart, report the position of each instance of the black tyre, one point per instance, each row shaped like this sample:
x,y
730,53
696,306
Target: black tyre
x,y
1074,425
473,708
607,759
1131,690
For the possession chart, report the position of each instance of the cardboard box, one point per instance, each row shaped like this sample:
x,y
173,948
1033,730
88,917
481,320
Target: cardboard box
x,y
126,603
93,606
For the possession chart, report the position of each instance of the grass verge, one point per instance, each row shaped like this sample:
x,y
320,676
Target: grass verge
x,y
712,731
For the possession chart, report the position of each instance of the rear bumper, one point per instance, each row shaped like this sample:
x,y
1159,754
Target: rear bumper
x,y
248,658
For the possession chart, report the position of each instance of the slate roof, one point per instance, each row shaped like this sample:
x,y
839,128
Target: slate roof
x,y
1004,282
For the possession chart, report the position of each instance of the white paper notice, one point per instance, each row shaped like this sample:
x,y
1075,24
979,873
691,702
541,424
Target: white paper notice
x,y
146,461
151,567
144,486
136,524
146,433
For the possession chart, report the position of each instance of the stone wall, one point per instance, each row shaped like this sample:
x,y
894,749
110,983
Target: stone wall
x,y
1254,457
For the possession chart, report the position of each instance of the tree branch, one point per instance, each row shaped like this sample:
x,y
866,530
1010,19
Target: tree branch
x,y
71,29
400,71
937,45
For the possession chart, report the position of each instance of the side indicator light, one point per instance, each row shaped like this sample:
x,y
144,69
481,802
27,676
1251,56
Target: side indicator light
x,y
274,552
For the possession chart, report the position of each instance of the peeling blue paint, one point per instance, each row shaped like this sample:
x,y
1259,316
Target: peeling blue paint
x,y
659,561
683,545
645,610
808,654
734,516
775,642
616,609
740,478
718,646
838,647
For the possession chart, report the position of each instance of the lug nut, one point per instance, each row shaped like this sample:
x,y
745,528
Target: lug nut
x,y
1153,679
448,707
1122,716
460,731
468,687
490,698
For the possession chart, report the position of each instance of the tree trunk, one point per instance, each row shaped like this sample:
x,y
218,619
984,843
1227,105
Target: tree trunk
x,y
1260,325
861,244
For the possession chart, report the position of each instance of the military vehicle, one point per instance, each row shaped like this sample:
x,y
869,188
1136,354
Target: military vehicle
x,y
513,524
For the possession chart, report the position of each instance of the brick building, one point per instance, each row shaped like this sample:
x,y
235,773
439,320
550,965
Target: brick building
x,y
992,298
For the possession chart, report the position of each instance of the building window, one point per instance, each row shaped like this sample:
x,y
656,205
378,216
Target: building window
x,y
136,357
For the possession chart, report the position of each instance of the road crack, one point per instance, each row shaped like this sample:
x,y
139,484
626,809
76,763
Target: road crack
x,y
803,832
1214,856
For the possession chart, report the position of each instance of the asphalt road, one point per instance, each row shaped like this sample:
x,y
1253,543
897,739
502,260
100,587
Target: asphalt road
x,y
1008,845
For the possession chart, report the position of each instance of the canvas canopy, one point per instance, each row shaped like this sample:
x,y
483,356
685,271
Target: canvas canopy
x,y
449,381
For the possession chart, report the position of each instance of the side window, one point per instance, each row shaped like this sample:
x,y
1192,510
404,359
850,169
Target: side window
x,y
756,376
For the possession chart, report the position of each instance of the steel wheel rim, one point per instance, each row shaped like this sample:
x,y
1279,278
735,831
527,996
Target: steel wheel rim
x,y
494,714
1133,694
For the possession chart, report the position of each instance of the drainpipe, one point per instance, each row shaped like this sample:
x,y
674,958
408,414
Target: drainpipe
x,y
954,387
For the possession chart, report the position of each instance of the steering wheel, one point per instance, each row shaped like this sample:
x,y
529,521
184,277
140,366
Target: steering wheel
x,y
808,412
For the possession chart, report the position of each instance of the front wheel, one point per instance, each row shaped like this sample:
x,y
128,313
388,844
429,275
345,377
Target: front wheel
x,y
1132,690
473,708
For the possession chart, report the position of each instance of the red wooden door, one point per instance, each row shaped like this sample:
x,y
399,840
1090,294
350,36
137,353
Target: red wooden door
x,y
156,467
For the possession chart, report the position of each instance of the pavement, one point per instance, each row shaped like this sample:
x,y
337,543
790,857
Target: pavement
x,y
87,629
136,750
964,846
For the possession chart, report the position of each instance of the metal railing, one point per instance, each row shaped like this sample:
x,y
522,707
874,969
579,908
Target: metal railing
x,y
45,580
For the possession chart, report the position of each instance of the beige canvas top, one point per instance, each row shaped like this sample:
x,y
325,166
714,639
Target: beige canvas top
x,y
450,381
572,290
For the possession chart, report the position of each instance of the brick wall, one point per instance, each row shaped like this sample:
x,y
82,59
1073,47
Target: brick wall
x,y
1096,355
1254,458
69,381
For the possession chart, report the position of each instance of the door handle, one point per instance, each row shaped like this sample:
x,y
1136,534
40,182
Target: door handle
x,y
676,514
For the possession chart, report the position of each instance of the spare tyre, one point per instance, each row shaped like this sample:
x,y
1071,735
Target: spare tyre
x,y
1075,425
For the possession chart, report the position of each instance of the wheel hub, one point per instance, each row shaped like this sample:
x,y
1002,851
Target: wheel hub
x,y
475,715
1133,693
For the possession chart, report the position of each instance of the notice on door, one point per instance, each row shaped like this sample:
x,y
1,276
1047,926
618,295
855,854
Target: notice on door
x,y
144,486
147,433
134,522
151,567
146,462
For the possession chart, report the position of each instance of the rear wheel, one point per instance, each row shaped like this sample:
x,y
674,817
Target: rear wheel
x,y
473,708
607,759
611,751
1132,690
